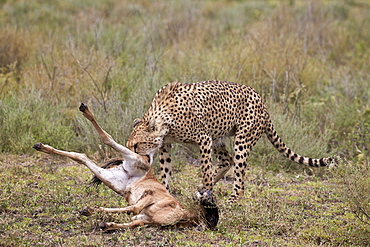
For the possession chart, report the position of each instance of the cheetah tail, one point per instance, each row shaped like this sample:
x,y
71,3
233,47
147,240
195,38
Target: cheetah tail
x,y
288,153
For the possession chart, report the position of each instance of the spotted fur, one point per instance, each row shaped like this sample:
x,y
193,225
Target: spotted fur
x,y
205,113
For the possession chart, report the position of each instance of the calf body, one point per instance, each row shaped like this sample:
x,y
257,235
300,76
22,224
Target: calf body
x,y
133,178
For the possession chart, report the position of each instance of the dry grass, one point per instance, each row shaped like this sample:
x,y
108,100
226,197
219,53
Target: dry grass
x,y
41,200
308,59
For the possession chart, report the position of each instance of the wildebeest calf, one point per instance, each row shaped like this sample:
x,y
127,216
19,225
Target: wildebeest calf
x,y
133,178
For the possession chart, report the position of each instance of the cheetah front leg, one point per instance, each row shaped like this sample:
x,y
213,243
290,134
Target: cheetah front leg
x,y
166,165
205,147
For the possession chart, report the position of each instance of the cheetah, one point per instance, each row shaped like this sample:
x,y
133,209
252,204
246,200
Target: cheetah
x,y
205,113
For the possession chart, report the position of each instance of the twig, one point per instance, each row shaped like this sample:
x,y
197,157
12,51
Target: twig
x,y
95,83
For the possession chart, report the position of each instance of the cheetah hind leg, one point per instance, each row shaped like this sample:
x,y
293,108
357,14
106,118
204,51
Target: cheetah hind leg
x,y
225,162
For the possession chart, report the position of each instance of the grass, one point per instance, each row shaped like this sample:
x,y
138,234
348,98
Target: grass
x,y
40,206
308,59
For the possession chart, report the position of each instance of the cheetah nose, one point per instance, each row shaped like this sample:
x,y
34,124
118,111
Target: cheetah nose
x,y
135,148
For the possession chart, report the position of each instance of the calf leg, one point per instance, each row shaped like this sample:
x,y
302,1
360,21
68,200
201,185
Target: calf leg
x,y
107,176
138,220
106,138
134,209
78,157
109,226
87,211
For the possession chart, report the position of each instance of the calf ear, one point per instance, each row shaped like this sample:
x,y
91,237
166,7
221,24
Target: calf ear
x,y
136,122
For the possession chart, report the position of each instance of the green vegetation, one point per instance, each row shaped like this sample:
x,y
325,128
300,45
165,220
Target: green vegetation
x,y
308,59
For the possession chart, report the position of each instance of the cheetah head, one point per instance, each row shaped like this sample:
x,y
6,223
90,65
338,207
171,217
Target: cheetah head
x,y
146,137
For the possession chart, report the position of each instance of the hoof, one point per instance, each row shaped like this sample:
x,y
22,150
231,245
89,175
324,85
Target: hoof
x,y
107,226
103,226
83,107
86,211
37,146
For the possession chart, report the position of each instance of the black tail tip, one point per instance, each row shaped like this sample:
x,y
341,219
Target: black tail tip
x,y
333,161
83,107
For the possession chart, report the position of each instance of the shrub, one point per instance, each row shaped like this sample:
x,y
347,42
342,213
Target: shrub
x,y
14,50
25,122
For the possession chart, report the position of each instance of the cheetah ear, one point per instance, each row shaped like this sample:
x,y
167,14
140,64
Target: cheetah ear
x,y
152,125
136,122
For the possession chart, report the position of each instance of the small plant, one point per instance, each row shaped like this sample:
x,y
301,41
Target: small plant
x,y
354,181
